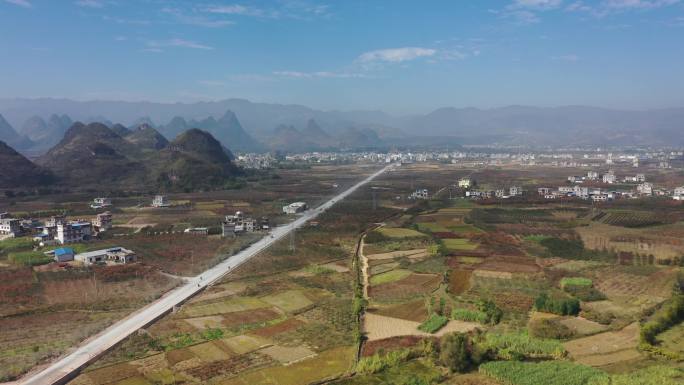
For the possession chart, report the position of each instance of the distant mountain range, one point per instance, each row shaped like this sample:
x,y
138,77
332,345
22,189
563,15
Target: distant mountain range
x,y
241,125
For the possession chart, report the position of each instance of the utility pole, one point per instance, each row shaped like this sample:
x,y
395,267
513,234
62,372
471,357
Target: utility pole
x,y
292,241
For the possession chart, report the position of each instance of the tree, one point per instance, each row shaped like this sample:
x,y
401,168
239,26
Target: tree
x,y
455,352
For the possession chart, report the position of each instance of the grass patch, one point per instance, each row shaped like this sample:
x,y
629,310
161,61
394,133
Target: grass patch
x,y
390,276
29,258
575,281
228,306
289,301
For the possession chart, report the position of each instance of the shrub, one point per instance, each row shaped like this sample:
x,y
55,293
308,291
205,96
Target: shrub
x,y
375,237
377,363
455,352
560,306
492,312
433,323
667,316
549,328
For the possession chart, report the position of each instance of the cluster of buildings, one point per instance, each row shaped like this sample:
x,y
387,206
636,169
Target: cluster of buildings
x,y
112,255
608,178
57,230
496,155
502,193
239,223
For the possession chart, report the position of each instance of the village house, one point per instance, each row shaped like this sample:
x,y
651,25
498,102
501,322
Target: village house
x,y
500,193
238,223
420,194
592,175
99,203
197,231
295,207
464,183
103,222
160,201
115,255
63,254
515,191
544,191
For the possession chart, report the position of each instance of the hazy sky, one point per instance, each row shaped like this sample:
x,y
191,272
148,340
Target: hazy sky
x,y
399,56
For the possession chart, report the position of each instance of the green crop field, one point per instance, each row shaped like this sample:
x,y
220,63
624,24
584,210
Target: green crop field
x,y
390,276
399,232
458,244
547,373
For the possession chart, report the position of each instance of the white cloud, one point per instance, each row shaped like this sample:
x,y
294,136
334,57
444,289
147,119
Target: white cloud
x,y
638,4
237,9
155,46
318,74
537,4
200,21
90,3
21,3
607,7
395,55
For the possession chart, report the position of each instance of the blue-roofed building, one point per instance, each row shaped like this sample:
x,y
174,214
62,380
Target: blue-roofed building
x,y
64,254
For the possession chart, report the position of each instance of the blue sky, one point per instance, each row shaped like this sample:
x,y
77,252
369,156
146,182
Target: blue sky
x,y
399,56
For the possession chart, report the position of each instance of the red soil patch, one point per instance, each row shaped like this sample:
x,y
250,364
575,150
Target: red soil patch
x,y
412,311
285,326
510,264
459,281
414,284
389,344
249,317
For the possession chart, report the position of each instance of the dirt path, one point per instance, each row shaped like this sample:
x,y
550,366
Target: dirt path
x,y
364,268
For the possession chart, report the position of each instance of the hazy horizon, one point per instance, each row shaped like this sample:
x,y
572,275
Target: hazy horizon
x,y
396,57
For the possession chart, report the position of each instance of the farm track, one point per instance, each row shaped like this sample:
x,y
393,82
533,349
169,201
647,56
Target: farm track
x,y
68,366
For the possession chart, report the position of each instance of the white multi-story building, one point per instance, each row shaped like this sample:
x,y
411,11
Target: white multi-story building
x,y
515,191
10,227
99,203
464,183
609,177
645,188
421,193
592,175
71,232
160,201
581,192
